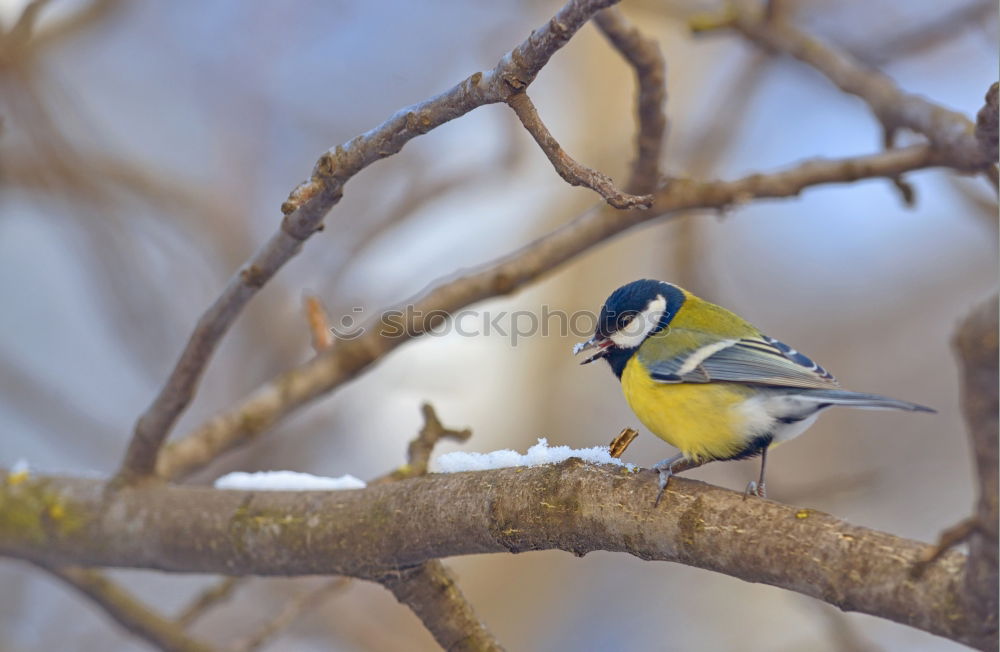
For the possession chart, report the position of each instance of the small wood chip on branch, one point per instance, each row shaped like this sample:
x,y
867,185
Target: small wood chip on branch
x,y
620,443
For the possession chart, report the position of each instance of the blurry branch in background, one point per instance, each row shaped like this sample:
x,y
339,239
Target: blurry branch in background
x,y
379,532
950,132
299,385
209,598
424,189
934,33
29,398
296,607
309,203
127,611
716,135
82,16
987,131
977,346
643,54
319,323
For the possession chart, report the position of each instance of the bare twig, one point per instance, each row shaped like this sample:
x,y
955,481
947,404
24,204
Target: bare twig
x,y
571,506
643,54
126,610
948,539
418,453
207,599
572,172
293,610
950,132
309,203
319,323
347,358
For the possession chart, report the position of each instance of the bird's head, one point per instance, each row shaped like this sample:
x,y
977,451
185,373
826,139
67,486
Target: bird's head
x,y
632,313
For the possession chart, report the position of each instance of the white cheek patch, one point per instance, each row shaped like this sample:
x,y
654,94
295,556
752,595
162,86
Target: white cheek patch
x,y
636,331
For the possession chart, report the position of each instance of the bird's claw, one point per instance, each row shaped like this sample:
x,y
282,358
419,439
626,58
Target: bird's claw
x,y
665,474
754,489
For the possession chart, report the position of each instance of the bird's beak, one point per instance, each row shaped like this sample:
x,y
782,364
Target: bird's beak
x,y
602,344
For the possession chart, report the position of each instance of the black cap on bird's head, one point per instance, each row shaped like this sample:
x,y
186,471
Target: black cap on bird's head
x,y
632,313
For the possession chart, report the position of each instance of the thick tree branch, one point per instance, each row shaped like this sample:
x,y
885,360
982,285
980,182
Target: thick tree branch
x,y
309,203
987,128
347,358
643,54
571,506
977,346
950,132
127,611
428,589
572,172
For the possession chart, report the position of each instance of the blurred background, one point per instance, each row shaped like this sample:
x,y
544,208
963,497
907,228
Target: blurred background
x,y
145,150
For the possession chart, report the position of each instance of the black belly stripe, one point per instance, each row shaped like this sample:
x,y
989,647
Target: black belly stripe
x,y
753,448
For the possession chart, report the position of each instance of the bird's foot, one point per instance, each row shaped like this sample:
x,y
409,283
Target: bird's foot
x,y
665,468
754,489
665,474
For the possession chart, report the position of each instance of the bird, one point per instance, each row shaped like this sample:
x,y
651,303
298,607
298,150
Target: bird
x,y
708,382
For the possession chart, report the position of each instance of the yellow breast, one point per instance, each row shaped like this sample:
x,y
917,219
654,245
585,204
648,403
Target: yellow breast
x,y
702,420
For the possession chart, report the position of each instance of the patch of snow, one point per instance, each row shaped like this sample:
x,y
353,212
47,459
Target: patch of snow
x,y
540,453
286,481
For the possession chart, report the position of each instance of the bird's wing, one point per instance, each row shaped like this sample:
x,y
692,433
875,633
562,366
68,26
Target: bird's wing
x,y
759,360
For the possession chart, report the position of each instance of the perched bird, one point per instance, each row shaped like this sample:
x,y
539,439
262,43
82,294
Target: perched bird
x,y
708,382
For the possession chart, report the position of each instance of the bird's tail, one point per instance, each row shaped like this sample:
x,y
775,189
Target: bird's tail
x,y
859,400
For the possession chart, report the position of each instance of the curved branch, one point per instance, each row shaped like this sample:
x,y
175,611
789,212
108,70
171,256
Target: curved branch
x,y
949,131
643,54
309,203
572,172
294,388
571,506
